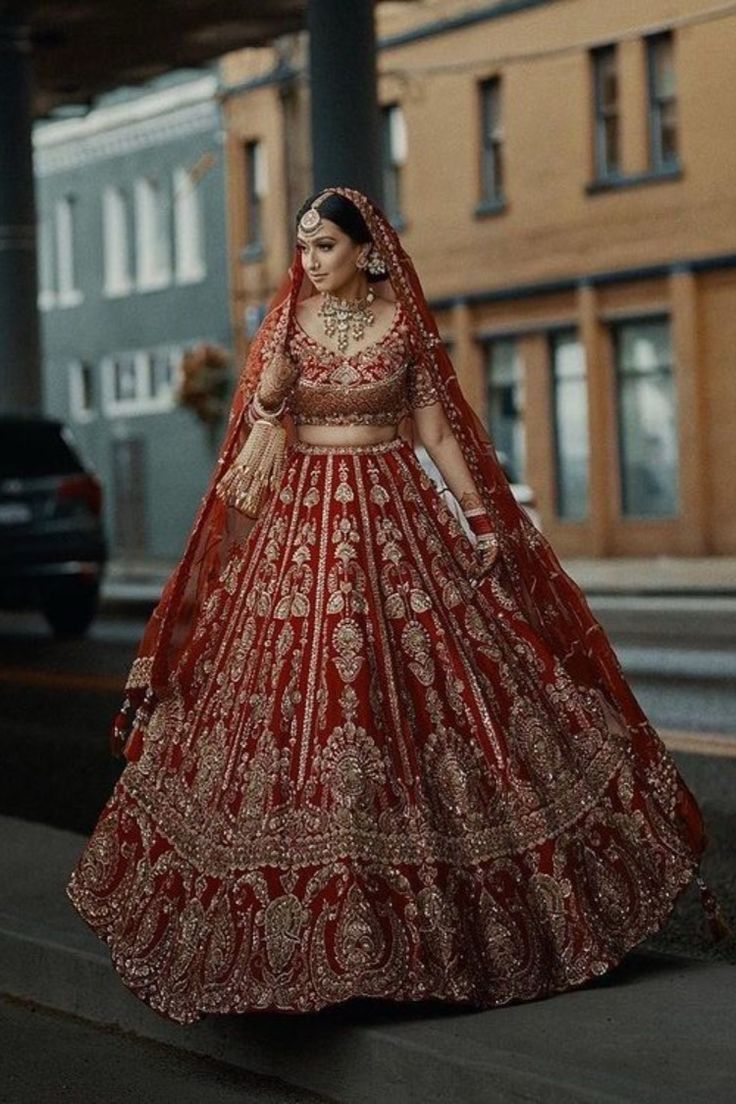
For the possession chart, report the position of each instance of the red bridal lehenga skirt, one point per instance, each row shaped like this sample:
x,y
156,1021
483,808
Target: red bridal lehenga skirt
x,y
371,778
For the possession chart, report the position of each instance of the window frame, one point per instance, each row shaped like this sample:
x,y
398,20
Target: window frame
x,y
153,270
255,174
66,225
189,227
393,161
656,104
143,402
553,337
614,331
115,206
487,343
601,113
491,149
80,410
45,246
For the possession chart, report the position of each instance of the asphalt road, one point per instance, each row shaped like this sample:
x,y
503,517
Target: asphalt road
x,y
57,699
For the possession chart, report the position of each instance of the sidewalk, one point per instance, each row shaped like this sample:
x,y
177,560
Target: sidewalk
x,y
141,582
655,575
655,1029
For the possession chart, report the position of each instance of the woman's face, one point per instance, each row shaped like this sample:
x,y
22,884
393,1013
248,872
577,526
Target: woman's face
x,y
330,257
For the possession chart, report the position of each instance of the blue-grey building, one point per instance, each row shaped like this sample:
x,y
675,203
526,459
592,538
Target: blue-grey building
x,y
133,271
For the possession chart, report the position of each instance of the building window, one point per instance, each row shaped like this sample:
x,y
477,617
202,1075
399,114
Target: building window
x,y
168,371
188,235
153,252
81,391
393,158
662,91
115,238
46,283
505,405
141,381
606,106
68,294
256,185
124,380
570,422
491,142
647,418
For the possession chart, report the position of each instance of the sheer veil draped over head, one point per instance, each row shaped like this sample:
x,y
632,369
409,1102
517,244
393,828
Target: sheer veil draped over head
x,y
527,568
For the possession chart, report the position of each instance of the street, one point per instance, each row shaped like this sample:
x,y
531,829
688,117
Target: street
x,y
56,702
57,699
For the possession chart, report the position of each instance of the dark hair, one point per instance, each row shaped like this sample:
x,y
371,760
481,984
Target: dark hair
x,y
343,213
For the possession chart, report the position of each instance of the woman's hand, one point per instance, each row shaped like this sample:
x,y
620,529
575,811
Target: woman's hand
x,y
486,540
277,379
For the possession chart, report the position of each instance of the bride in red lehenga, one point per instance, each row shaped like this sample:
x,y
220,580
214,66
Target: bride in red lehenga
x,y
371,750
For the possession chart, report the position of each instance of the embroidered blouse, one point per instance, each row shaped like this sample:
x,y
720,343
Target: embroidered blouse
x,y
377,385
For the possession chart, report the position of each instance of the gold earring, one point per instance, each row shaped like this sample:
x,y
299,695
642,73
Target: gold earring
x,y
376,265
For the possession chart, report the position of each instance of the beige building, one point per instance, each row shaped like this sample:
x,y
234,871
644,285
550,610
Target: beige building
x,y
563,173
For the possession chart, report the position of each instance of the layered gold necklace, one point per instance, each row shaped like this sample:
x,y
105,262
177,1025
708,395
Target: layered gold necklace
x,y
346,317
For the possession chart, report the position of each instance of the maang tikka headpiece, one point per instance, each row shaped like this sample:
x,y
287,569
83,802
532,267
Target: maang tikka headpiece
x,y
311,221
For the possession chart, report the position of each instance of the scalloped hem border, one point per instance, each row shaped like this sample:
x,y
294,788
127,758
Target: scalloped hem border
x,y
411,995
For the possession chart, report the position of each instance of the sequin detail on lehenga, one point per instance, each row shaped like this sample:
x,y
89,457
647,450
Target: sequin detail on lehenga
x,y
377,781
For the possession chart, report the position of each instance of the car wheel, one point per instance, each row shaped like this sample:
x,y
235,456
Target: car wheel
x,y
70,605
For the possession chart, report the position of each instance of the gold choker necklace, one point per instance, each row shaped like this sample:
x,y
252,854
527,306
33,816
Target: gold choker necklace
x,y
346,317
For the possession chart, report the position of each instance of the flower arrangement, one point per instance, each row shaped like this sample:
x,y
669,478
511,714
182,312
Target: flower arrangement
x,y
204,381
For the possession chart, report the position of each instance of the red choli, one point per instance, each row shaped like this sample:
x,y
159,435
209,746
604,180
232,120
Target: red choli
x,y
377,385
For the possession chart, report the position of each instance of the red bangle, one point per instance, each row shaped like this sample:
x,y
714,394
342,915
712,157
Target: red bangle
x,y
480,523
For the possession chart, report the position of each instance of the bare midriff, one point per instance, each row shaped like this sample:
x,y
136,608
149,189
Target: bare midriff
x,y
346,434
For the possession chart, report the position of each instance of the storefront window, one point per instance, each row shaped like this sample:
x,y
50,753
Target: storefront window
x,y
505,405
570,424
647,424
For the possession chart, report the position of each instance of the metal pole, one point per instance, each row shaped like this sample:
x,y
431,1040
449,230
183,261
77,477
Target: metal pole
x,y
344,105
20,368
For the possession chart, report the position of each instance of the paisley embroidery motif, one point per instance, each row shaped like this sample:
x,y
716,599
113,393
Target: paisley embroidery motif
x,y
371,778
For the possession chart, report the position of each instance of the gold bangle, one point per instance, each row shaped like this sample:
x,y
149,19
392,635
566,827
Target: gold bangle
x,y
264,412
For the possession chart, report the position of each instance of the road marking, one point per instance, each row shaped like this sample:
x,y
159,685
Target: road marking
x,y
61,680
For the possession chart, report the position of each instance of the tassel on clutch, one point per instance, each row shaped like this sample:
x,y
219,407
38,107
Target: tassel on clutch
x,y
258,468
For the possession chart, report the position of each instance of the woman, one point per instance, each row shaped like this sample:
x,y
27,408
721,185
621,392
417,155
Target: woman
x,y
372,750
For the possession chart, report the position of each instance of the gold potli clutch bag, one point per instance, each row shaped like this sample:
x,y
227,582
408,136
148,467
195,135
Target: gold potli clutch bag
x,y
258,469
259,465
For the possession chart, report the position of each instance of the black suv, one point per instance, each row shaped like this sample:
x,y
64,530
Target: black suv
x,y
52,544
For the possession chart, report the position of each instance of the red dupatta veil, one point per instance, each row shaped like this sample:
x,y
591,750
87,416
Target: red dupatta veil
x,y
527,567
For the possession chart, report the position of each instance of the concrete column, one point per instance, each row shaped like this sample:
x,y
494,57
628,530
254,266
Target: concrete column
x,y
603,451
344,105
20,369
695,538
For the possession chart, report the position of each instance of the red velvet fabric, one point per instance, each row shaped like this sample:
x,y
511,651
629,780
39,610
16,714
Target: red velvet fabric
x,y
364,769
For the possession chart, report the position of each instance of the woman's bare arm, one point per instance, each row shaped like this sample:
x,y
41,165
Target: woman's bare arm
x,y
435,433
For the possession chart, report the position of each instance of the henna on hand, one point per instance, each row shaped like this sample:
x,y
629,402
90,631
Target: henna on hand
x,y
470,500
276,380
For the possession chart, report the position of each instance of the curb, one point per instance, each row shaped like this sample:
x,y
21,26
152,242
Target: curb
x,y
605,1042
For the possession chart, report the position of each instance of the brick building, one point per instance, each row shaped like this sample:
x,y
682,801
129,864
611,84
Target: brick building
x,y
562,174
